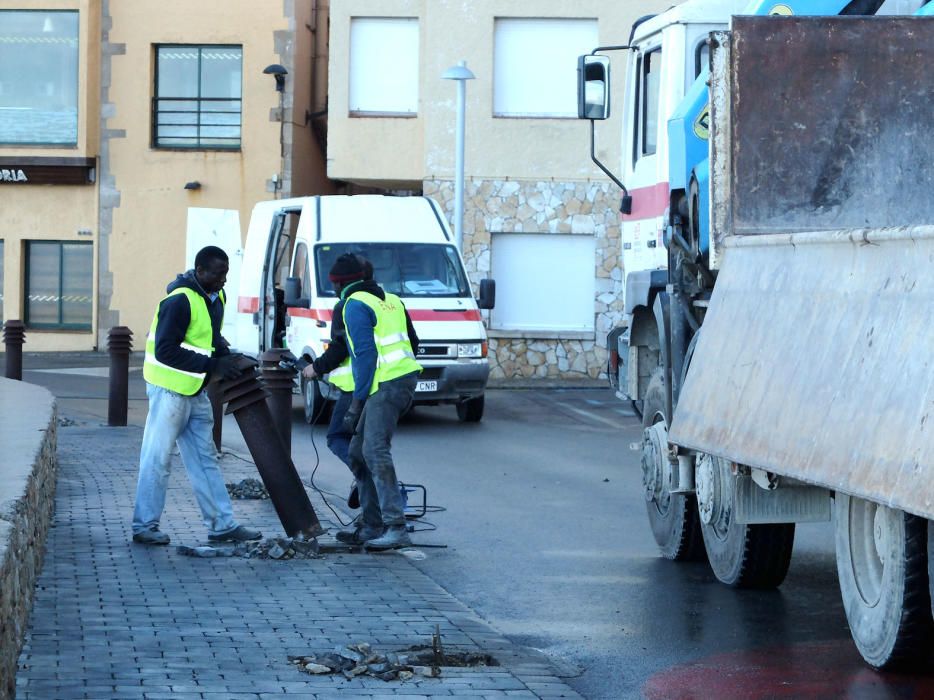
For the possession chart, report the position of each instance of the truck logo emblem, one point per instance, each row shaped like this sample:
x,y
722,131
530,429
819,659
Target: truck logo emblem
x,y
702,123
781,10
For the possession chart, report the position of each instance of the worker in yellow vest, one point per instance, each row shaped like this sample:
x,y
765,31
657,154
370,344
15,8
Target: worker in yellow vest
x,y
382,344
184,350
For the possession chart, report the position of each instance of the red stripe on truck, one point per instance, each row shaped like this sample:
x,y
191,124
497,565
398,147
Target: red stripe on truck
x,y
247,305
648,202
416,314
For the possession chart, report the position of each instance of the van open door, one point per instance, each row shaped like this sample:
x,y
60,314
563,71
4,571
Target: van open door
x,y
279,246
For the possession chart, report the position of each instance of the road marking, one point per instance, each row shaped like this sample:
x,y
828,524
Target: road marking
x,y
83,371
593,416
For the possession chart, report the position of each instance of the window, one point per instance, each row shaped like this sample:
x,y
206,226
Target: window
x,y
384,66
1,282
405,269
535,65
197,97
39,77
301,269
649,69
58,284
545,281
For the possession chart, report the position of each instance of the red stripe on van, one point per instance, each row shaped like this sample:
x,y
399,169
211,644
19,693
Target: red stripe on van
x,y
648,202
247,305
416,314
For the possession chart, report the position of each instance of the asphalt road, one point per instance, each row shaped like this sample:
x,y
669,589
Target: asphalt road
x,y
543,533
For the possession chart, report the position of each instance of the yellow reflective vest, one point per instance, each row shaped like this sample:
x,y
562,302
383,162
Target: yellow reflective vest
x,y
198,338
391,336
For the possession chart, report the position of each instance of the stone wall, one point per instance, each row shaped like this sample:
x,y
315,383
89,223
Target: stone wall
x,y
579,208
28,473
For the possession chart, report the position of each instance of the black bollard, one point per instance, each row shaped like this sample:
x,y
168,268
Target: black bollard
x,y
279,383
14,335
119,343
217,407
246,399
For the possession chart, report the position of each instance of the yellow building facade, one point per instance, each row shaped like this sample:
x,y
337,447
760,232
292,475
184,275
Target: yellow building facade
x,y
120,120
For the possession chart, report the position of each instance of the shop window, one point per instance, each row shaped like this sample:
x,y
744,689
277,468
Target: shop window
x,y
544,282
197,101
59,283
39,77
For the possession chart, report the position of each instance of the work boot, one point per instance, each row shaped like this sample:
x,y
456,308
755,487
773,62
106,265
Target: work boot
x,y
151,537
359,534
238,534
395,536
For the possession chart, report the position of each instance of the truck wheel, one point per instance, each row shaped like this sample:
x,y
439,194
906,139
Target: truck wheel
x,y
314,402
745,556
882,567
672,517
470,410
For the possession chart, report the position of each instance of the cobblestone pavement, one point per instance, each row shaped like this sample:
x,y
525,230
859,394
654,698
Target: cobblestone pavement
x,y
112,619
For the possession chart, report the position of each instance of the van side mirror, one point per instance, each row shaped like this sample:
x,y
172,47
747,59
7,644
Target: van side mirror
x,y
293,293
593,87
487,298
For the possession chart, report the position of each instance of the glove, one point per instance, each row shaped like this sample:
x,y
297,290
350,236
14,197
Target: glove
x,y
352,417
226,367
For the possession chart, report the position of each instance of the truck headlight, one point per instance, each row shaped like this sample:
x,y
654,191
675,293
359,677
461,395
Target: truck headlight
x,y
470,349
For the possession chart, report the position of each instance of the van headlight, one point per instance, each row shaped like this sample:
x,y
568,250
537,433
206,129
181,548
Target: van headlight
x,y
471,350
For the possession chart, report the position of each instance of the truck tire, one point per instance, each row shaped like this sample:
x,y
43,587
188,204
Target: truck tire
x,y
744,556
883,572
672,517
314,402
470,410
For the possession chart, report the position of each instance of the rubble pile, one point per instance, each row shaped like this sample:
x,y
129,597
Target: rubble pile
x,y
248,489
270,548
360,660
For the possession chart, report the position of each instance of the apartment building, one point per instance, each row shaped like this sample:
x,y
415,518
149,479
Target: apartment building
x,y
131,133
540,218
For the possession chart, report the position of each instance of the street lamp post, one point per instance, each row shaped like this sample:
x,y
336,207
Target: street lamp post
x,y
461,74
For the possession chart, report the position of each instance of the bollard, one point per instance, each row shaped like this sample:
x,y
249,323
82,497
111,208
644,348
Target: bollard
x,y
14,335
279,383
246,400
217,408
119,343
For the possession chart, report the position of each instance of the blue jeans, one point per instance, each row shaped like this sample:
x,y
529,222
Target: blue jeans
x,y
338,440
188,421
370,456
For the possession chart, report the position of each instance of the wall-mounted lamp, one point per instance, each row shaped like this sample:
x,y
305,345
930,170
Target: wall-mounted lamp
x,y
193,185
278,72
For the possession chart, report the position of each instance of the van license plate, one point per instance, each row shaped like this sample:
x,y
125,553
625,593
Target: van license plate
x,y
426,386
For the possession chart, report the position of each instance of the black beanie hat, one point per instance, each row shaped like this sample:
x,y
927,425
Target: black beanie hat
x,y
347,268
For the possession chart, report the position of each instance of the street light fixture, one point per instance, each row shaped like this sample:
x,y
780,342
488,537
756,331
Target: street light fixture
x,y
461,74
279,72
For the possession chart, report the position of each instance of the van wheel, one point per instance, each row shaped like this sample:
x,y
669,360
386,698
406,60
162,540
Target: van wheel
x,y
470,410
882,568
314,402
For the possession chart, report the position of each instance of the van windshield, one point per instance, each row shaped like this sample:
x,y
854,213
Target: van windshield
x,y
404,269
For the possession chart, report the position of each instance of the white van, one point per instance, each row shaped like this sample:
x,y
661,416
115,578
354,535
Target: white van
x,y
290,247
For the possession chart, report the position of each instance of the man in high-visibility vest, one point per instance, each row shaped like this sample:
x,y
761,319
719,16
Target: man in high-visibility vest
x,y
382,344
184,350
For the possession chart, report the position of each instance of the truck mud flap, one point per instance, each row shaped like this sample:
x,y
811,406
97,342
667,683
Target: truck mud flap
x,y
815,361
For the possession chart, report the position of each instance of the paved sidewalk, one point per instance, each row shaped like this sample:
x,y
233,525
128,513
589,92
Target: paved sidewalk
x,y
116,620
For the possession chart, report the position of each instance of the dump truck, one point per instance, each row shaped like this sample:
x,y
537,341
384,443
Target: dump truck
x,y
777,225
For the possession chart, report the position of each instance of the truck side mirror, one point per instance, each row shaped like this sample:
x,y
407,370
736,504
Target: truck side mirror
x,y
293,293
487,298
593,87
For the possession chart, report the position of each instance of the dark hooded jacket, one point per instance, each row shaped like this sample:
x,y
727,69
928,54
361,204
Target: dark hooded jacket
x,y
174,318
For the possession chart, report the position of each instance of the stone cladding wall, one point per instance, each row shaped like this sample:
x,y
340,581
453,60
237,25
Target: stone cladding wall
x,y
549,207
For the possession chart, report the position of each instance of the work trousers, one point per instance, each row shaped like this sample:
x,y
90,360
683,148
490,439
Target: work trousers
x,y
370,455
187,421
